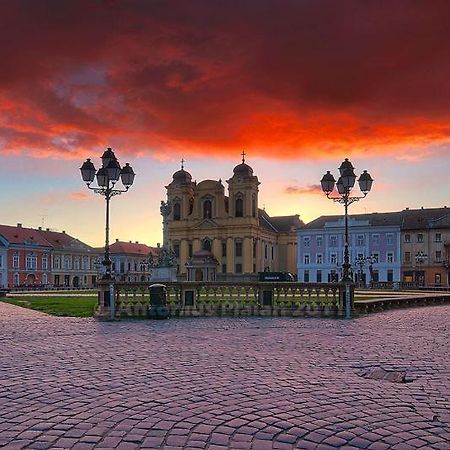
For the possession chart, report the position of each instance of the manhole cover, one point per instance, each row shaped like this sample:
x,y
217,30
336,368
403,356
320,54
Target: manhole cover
x,y
378,373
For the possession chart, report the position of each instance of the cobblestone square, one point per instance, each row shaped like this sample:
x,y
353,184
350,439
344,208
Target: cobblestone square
x,y
250,383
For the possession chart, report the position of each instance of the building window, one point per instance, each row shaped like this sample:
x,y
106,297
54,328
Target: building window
x,y
31,262
190,250
77,264
390,257
44,262
207,209
273,252
85,263
238,268
67,262
390,275
253,205
438,237
438,256
407,237
254,249
389,239
16,279
306,276
224,268
16,261
122,267
376,258
319,258
437,278
333,241
44,278
306,241
319,276
360,240
176,249
419,237
333,258
239,207
306,259
376,239
238,248
319,240
407,257
266,251
176,211
224,249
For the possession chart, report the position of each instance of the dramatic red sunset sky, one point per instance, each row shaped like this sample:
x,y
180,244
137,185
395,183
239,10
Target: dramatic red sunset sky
x,y
299,84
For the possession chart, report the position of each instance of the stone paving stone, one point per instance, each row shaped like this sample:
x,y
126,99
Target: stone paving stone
x,y
241,383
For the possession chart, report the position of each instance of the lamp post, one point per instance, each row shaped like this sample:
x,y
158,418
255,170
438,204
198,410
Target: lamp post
x,y
107,177
420,259
344,185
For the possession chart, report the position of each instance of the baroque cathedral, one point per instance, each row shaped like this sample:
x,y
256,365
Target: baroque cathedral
x,y
225,237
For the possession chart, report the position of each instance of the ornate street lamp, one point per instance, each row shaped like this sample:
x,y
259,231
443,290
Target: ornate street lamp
x,y
344,186
107,177
420,259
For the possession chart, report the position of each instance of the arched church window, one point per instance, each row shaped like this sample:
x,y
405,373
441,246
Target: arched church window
x,y
191,205
239,207
207,209
176,211
206,245
254,206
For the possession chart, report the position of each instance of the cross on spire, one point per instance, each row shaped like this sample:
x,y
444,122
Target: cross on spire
x,y
182,163
243,156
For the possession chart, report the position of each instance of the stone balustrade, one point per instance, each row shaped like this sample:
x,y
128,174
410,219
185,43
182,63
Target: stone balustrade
x,y
200,299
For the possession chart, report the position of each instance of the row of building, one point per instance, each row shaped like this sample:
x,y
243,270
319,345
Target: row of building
x,y
42,257
213,234
219,236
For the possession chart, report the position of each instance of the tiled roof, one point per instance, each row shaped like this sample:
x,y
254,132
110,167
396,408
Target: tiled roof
x,y
374,219
63,241
279,224
21,235
408,219
131,248
419,219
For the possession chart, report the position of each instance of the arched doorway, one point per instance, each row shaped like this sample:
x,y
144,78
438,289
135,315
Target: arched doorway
x,y
31,279
199,275
76,281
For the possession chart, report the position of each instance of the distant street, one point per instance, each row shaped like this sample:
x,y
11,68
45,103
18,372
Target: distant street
x,y
251,383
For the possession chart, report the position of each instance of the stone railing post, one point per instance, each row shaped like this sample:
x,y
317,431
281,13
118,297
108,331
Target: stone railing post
x,y
106,303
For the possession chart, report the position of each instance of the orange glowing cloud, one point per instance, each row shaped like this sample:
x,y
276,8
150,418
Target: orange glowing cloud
x,y
286,80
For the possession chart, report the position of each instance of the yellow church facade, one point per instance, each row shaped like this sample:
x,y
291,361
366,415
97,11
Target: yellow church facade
x,y
203,221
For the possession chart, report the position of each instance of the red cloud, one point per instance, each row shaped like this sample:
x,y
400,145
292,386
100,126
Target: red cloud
x,y
284,79
311,189
79,195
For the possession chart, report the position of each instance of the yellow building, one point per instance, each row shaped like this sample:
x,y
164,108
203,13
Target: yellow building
x,y
243,239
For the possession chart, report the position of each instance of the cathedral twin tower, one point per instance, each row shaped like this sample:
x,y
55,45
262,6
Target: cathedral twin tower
x,y
222,237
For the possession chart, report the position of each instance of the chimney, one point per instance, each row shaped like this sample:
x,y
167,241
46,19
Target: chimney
x,y
19,225
117,240
131,242
40,228
47,229
137,242
64,232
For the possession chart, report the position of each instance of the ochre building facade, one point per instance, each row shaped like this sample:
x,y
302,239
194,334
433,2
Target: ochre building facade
x,y
243,238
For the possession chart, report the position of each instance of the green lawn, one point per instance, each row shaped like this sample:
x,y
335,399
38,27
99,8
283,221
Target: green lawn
x,y
57,306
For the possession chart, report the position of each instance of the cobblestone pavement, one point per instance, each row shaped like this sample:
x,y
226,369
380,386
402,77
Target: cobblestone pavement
x,y
250,383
